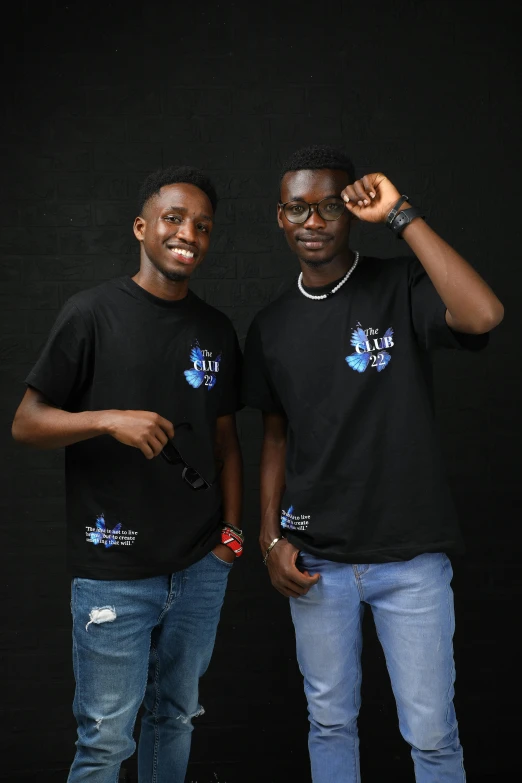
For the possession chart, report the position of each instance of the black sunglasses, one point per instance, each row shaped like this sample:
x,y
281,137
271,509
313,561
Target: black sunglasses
x,y
172,455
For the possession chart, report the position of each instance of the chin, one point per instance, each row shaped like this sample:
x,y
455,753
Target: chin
x,y
175,276
316,263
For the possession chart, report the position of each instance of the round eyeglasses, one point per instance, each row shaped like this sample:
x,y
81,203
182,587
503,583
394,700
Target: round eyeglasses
x,y
330,208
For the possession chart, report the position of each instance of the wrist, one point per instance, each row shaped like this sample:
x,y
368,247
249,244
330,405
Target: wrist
x,y
401,215
103,422
266,538
416,221
392,210
277,541
232,537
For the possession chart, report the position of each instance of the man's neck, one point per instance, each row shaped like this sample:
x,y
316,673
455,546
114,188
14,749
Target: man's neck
x,y
315,277
152,281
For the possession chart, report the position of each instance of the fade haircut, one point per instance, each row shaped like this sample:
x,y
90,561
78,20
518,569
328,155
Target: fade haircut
x,y
170,176
319,156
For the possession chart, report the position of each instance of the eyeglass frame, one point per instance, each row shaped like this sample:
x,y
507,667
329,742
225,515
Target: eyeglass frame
x,y
310,205
180,460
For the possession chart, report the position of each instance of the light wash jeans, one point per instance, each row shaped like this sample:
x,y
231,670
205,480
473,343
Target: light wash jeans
x,y
142,640
412,605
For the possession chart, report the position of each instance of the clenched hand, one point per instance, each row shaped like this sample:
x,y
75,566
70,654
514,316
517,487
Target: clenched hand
x,y
285,575
143,430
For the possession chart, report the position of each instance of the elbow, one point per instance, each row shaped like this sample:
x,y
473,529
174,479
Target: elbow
x,y
482,322
17,430
491,319
20,431
499,315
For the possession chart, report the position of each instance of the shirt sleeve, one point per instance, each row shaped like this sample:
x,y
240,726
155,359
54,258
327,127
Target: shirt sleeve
x,y
429,316
62,367
231,380
257,388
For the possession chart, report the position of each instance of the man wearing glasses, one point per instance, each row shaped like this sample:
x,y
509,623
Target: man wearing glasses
x,y
355,507
133,369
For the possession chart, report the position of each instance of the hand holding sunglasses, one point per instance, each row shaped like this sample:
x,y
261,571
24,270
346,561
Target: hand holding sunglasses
x,y
172,455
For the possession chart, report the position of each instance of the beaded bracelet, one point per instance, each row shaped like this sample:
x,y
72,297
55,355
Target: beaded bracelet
x,y
233,538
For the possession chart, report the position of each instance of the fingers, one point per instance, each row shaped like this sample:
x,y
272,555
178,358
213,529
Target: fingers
x,y
303,579
287,592
158,438
155,446
160,435
166,426
368,186
291,589
361,192
290,581
284,574
146,450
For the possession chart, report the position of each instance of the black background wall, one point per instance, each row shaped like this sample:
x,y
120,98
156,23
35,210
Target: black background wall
x,y
98,95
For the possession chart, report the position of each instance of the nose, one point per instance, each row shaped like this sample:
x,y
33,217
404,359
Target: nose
x,y
187,231
314,219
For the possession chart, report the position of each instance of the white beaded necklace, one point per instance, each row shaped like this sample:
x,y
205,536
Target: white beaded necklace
x,y
334,290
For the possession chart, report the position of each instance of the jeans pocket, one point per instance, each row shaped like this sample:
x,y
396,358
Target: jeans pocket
x,y
304,559
219,560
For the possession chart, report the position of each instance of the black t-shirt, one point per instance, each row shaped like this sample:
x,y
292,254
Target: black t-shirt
x,y
118,347
365,481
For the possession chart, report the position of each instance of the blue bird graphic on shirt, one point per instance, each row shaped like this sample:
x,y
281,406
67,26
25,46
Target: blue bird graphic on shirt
x,y
285,521
360,360
197,376
102,534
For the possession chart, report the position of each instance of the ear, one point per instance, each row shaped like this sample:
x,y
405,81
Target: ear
x,y
279,216
139,227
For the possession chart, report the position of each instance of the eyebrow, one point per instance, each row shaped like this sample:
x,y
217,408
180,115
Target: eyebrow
x,y
184,209
300,198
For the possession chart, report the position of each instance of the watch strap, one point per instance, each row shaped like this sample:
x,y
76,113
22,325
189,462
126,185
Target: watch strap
x,y
393,211
403,219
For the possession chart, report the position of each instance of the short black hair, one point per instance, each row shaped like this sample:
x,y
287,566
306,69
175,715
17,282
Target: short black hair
x,y
319,156
169,176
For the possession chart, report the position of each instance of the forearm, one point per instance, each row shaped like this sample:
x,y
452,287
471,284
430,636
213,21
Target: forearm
x,y
273,456
282,558
232,485
46,427
472,307
228,453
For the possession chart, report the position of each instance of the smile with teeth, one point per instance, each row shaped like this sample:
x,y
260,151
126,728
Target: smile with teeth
x,y
180,251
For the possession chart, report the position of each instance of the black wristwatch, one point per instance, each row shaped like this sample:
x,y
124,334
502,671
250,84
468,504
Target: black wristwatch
x,y
403,219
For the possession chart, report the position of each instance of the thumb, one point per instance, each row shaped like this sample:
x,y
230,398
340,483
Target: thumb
x,y
312,577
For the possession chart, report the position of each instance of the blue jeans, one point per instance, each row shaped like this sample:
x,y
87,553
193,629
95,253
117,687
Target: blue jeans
x,y
412,605
142,640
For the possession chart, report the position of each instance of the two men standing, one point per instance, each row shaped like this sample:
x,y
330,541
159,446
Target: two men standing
x,y
355,509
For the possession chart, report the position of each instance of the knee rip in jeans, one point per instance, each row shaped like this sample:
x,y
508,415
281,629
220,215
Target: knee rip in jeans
x,y
101,614
187,718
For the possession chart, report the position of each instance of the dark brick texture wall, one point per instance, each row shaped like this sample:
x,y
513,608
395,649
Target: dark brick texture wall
x,y
96,95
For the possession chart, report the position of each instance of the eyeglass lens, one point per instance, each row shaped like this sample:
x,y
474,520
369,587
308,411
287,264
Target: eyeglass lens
x,y
328,209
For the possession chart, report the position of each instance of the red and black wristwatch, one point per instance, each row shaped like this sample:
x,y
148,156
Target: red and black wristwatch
x,y
233,538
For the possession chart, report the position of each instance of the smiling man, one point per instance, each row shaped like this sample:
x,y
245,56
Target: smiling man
x,y
134,369
355,508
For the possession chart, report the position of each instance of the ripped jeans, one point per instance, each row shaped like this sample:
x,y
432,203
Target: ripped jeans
x,y
142,641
